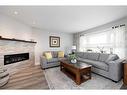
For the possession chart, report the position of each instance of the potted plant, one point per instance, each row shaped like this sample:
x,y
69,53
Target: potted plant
x,y
72,58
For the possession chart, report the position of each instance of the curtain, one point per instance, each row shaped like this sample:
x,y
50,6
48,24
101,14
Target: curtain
x,y
76,42
111,40
95,41
118,41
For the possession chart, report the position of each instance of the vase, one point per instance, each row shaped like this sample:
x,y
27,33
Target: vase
x,y
73,61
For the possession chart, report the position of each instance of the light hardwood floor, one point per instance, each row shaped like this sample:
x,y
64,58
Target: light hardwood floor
x,y
29,77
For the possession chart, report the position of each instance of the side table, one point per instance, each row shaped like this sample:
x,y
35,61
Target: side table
x,y
125,72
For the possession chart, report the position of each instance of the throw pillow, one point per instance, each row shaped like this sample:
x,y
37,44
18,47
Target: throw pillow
x,y
48,55
60,54
112,58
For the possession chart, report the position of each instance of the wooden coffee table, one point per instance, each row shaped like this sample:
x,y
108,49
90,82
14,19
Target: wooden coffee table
x,y
79,72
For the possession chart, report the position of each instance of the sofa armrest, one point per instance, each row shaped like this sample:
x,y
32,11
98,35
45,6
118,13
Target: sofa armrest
x,y
118,61
43,61
116,69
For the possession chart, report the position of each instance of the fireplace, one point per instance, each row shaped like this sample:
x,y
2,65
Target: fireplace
x,y
13,58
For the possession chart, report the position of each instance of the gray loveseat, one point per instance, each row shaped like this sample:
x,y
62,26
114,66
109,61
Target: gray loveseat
x,y
107,65
51,62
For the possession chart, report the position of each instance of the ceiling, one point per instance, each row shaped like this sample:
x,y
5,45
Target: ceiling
x,y
69,19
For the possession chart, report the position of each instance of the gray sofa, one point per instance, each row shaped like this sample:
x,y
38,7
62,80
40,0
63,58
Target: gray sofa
x,y
51,62
107,65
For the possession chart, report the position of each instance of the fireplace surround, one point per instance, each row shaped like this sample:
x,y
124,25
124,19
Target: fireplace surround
x,y
21,53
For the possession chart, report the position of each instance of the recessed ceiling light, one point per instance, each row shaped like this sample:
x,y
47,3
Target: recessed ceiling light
x,y
15,12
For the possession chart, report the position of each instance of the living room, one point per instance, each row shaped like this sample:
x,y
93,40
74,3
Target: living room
x,y
49,44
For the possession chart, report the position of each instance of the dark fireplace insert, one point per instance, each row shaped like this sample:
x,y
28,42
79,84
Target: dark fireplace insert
x,y
13,58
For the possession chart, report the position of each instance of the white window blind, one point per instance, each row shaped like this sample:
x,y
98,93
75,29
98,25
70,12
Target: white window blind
x,y
111,39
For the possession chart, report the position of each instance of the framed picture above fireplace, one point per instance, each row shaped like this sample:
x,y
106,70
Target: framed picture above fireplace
x,y
54,41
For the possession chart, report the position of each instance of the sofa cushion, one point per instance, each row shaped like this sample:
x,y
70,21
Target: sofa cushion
x,y
97,64
112,57
93,56
79,54
85,55
103,57
62,58
52,60
55,54
80,59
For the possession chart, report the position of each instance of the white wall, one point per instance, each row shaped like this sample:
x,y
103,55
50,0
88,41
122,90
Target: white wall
x,y
105,26
42,38
11,28
101,28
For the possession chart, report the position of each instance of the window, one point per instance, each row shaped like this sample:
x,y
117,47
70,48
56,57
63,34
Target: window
x,y
111,40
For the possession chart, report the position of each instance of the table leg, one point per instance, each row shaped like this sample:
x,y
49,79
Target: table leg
x,y
60,67
78,78
89,75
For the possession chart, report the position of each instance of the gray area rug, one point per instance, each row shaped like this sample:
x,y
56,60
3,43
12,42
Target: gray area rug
x,y
58,80
124,87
